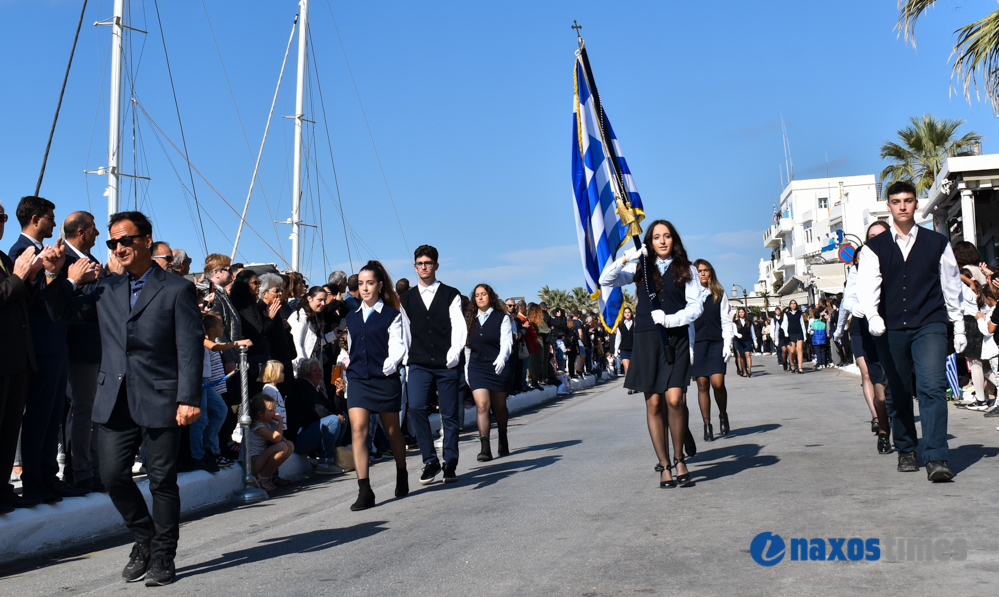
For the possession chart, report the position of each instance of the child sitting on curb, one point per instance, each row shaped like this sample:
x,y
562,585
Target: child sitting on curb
x,y
268,447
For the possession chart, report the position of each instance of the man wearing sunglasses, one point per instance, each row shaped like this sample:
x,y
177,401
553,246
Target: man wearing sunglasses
x,y
162,255
149,385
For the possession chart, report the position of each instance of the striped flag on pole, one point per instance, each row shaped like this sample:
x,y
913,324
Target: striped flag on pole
x,y
598,227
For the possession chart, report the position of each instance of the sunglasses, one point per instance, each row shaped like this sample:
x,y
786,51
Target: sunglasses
x,y
125,241
167,258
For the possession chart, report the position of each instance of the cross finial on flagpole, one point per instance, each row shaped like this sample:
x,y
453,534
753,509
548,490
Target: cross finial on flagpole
x,y
578,27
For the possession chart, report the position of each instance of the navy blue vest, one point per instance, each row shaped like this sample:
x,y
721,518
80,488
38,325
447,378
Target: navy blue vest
x,y
911,296
627,336
707,327
485,338
671,300
369,342
430,329
745,330
793,323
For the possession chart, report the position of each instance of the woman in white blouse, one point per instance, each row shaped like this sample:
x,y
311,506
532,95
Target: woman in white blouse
x,y
307,326
490,342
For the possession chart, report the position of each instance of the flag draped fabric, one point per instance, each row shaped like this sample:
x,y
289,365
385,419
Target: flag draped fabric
x,y
598,227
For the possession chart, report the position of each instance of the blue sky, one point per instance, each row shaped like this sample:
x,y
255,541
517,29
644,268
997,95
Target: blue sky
x,y
469,105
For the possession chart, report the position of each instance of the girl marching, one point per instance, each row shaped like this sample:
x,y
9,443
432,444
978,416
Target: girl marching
x,y
713,332
490,342
793,326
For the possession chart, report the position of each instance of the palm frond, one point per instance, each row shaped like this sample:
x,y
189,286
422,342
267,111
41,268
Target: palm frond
x,y
908,12
977,50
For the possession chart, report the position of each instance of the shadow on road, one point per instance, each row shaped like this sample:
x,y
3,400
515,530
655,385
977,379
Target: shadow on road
x,y
267,549
489,474
738,457
964,457
743,431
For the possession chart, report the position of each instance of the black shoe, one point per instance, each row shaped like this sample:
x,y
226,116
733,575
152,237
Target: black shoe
x,y
723,424
709,433
208,463
20,501
62,490
907,462
279,482
884,443
666,484
937,471
160,572
875,427
485,454
503,449
6,508
365,497
401,482
689,447
430,471
40,496
994,412
138,562
684,479
450,473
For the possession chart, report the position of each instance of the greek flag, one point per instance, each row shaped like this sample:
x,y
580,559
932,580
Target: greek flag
x,y
598,227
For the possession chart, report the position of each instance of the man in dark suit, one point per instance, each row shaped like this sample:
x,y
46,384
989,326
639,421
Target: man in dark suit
x,y
17,358
149,384
83,465
44,405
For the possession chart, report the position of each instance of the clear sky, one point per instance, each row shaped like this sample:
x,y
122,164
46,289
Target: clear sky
x,y
469,105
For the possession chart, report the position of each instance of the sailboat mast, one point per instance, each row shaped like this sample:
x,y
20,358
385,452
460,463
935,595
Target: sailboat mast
x,y
114,132
296,183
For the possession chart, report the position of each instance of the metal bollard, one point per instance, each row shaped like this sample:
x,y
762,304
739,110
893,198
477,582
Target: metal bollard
x,y
250,492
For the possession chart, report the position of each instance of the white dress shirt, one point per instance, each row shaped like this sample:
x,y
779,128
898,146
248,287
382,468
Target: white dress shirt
x,y
618,274
459,328
396,344
627,324
506,335
784,320
869,277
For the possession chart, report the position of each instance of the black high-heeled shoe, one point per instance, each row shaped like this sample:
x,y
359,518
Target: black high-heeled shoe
x,y
660,468
666,484
723,424
689,446
709,433
875,427
684,479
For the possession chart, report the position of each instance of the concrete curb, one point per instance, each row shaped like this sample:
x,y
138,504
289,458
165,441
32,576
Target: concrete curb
x,y
50,527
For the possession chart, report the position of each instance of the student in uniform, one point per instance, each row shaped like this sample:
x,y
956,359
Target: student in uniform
x,y
745,338
865,351
661,371
490,342
908,287
780,340
793,327
713,332
624,340
376,348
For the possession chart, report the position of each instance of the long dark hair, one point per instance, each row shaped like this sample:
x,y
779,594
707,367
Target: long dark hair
x,y
867,237
241,294
471,310
717,292
387,294
680,266
303,303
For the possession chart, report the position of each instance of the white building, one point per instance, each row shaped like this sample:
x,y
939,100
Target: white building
x,y
816,217
964,202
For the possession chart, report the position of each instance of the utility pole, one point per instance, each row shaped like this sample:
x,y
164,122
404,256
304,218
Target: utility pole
x,y
114,132
296,183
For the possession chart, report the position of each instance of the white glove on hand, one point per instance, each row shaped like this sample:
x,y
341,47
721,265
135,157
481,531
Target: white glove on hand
x,y
876,325
738,335
453,356
499,364
727,352
389,367
633,254
960,343
659,317
838,336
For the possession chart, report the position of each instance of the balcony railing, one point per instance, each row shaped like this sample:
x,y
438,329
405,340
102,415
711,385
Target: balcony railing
x,y
771,237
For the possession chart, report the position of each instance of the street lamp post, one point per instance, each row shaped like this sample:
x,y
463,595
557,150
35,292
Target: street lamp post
x,y
745,296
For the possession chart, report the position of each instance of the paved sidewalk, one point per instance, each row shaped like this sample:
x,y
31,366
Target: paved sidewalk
x,y
576,510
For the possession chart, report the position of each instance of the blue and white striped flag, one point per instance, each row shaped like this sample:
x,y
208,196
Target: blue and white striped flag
x,y
598,226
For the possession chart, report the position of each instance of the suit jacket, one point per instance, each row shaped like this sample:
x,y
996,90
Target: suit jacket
x,y
83,339
17,353
155,348
47,334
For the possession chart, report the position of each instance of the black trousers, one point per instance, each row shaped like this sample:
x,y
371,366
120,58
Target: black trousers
x,y
13,388
43,418
119,440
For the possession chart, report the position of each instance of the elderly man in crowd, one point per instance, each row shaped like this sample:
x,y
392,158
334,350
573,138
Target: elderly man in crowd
x,y
162,255
181,262
83,467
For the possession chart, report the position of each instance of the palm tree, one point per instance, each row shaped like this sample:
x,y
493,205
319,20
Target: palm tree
x,y
976,49
629,299
923,148
581,299
766,299
555,298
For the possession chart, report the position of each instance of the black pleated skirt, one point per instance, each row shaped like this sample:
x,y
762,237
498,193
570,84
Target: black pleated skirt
x,y
649,372
482,376
376,394
708,359
743,345
862,343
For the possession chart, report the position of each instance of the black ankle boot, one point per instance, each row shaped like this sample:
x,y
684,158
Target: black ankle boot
x,y
365,497
723,424
485,454
504,448
401,482
709,433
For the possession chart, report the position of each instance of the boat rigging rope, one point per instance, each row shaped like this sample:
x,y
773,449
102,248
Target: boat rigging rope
x,y
48,146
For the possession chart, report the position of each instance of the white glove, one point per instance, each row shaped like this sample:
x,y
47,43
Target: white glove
x,y
499,364
838,336
389,367
727,352
659,317
453,356
876,325
960,343
691,354
633,254
738,335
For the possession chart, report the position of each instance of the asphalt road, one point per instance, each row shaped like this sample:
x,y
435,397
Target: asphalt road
x,y
576,510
